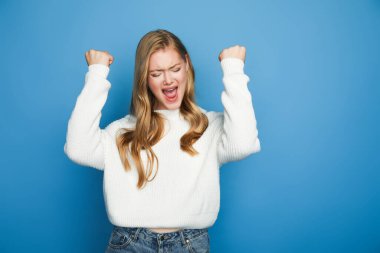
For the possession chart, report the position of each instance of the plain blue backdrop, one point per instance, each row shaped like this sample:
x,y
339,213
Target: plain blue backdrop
x,y
315,82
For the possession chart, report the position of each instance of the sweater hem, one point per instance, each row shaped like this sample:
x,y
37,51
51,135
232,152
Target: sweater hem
x,y
196,221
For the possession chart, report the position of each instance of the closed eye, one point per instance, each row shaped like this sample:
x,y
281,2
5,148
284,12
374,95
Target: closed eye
x,y
157,75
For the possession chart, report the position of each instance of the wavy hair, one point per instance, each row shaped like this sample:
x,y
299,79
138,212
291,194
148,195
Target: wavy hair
x,y
149,128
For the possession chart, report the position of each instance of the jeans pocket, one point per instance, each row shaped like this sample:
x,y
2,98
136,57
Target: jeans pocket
x,y
200,243
120,238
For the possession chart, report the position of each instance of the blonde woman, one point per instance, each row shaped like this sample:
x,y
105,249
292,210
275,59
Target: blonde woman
x,y
161,161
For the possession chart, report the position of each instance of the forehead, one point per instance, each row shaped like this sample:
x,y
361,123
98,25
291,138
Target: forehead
x,y
164,58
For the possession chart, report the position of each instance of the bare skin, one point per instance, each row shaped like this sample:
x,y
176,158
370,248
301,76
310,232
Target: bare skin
x,y
103,57
164,230
98,57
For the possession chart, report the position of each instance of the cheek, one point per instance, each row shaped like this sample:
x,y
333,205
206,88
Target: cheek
x,y
154,85
181,76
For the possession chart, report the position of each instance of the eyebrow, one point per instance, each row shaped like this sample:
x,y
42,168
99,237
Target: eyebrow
x,y
163,69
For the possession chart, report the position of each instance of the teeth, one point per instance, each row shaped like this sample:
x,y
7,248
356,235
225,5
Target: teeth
x,y
170,89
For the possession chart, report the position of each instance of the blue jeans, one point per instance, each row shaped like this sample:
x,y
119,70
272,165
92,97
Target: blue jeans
x,y
137,239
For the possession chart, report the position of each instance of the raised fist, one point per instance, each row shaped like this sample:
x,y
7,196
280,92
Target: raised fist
x,y
235,51
95,56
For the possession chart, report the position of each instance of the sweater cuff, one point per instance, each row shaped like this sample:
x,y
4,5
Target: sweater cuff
x,y
232,65
99,69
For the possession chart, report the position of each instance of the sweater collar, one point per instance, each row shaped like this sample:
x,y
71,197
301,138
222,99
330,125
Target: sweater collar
x,y
175,114
171,114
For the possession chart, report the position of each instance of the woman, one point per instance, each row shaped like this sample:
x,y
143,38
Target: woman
x,y
161,162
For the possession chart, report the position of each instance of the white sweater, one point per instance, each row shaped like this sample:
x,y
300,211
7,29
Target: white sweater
x,y
185,192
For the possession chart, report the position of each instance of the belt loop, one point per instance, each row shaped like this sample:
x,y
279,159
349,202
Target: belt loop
x,y
185,240
136,233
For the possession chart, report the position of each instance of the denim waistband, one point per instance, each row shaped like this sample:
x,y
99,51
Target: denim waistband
x,y
147,234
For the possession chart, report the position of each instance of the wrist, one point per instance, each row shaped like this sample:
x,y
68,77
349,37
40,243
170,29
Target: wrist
x,y
99,69
232,65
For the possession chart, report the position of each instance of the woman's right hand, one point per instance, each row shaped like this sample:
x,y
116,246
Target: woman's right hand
x,y
100,57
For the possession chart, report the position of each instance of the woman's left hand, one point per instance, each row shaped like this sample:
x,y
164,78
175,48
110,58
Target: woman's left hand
x,y
235,51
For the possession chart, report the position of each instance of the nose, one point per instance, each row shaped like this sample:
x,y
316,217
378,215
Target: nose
x,y
167,78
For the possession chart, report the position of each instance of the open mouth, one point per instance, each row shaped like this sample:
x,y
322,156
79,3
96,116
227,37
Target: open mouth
x,y
171,93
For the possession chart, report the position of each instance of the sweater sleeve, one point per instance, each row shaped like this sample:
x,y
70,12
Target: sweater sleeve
x,y
84,139
239,134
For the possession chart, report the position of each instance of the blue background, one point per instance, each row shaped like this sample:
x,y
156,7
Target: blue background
x,y
315,84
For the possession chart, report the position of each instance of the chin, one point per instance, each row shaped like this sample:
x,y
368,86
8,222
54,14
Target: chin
x,y
173,107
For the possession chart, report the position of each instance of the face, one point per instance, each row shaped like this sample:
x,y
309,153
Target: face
x,y
167,78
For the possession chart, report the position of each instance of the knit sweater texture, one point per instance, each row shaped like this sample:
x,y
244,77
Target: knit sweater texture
x,y
185,192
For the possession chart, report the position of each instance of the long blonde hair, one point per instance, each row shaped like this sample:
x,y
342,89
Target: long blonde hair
x,y
150,124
